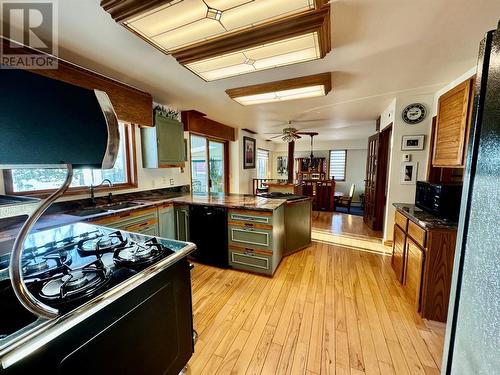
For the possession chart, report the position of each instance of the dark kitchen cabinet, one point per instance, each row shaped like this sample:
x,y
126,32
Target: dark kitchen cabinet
x,y
163,145
422,259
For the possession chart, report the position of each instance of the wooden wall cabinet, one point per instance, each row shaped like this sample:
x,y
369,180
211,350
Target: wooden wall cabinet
x,y
163,145
422,260
453,125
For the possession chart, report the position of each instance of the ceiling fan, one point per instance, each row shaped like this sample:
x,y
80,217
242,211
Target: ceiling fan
x,y
291,134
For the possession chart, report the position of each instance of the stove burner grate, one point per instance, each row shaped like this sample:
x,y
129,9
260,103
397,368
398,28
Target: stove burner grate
x,y
76,283
140,254
101,244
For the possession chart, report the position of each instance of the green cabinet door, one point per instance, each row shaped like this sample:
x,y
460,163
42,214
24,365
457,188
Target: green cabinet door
x,y
170,139
166,217
182,223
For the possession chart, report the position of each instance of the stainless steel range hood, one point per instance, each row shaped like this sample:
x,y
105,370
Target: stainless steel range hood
x,y
45,122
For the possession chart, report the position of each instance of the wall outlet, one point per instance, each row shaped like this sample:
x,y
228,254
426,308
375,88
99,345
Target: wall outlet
x,y
172,181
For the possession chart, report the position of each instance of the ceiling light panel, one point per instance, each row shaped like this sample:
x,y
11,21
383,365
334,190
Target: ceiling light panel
x,y
285,52
290,89
281,96
181,23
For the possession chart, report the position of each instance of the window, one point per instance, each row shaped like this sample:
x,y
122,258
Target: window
x,y
43,181
262,163
337,164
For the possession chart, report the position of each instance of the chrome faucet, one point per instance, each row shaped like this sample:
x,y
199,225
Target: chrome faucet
x,y
92,191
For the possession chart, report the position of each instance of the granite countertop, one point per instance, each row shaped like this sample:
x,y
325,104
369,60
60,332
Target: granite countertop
x,y
247,202
60,213
423,218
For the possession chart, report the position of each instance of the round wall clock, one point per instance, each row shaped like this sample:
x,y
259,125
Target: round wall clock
x,y
414,113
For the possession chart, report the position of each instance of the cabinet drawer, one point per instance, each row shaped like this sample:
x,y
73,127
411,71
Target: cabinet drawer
x,y
417,233
251,262
401,220
251,237
128,219
251,217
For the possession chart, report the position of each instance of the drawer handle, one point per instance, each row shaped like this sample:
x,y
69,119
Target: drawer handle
x,y
249,225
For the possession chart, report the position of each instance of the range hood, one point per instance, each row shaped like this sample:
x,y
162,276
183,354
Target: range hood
x,y
50,123
46,122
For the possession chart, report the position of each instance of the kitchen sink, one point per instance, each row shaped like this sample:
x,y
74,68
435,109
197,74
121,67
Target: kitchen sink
x,y
88,211
122,206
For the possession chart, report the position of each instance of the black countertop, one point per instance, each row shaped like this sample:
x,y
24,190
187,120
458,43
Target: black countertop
x,y
423,218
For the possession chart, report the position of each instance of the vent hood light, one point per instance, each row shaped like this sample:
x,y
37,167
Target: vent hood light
x,y
279,91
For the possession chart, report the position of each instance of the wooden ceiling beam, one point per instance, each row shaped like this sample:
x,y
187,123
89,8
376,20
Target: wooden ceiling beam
x,y
324,79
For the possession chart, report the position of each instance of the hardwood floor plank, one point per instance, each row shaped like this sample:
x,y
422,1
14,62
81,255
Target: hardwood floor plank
x,y
327,310
272,359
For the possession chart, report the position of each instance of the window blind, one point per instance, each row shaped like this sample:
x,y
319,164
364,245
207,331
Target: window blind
x,y
337,164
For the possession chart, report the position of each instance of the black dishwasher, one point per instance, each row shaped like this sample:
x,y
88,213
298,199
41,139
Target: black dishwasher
x,y
208,230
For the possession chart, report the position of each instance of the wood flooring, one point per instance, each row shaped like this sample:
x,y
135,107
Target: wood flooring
x,y
327,310
338,223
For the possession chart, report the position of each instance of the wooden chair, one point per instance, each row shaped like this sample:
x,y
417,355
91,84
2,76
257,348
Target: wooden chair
x,y
346,201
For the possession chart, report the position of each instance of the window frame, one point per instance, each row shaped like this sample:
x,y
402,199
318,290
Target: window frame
x,y
330,163
130,154
268,163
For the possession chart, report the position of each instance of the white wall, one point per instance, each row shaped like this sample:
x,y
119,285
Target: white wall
x,y
241,180
355,164
397,192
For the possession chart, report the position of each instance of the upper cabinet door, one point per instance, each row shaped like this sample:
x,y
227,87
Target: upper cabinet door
x,y
453,123
170,140
163,145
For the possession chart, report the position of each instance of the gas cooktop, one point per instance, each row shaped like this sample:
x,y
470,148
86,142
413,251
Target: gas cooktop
x,y
68,266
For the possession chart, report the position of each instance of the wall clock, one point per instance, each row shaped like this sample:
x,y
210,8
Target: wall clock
x,y
414,113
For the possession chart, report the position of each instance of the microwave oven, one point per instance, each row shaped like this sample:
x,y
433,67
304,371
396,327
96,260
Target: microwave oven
x,y
441,200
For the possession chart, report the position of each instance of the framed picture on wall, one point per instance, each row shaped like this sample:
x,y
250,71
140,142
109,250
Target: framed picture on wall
x,y
249,153
409,173
412,142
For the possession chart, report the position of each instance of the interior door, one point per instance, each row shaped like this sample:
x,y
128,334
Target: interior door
x,y
369,216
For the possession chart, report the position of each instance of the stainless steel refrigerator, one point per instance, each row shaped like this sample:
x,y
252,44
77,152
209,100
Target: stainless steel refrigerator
x,y
472,344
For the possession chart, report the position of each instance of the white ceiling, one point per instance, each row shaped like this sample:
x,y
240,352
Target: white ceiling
x,y
380,48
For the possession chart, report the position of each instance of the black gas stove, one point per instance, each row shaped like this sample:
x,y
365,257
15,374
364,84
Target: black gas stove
x,y
67,271
96,277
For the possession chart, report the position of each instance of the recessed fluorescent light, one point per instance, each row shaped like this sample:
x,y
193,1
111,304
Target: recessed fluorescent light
x,y
181,23
271,55
279,91
217,39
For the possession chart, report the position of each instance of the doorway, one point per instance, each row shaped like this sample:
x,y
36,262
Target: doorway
x,y
376,180
209,162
